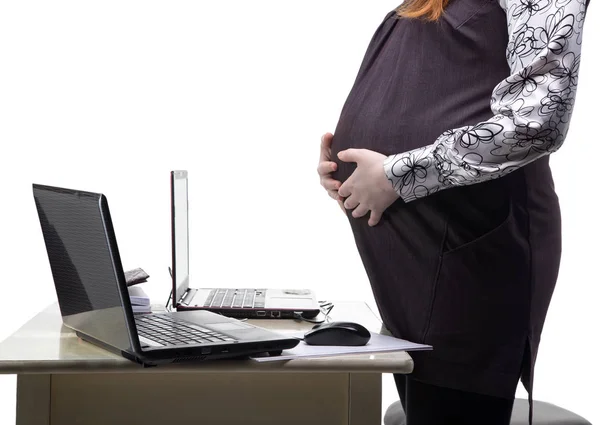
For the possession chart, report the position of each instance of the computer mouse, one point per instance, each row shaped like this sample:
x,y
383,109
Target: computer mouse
x,y
338,333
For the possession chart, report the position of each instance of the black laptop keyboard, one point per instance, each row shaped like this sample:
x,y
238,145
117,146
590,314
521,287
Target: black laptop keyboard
x,y
236,298
167,330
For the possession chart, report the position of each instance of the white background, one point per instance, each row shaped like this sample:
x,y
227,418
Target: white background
x,y
110,96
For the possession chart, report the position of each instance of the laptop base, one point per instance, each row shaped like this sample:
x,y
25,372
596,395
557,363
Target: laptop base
x,y
254,314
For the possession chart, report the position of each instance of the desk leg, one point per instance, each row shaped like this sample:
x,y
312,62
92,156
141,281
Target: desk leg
x,y
364,399
33,399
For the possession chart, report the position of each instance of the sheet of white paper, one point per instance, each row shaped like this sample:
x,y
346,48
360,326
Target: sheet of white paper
x,y
141,308
138,296
377,344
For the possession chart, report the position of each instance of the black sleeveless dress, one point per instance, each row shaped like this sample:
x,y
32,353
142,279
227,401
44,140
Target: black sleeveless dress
x,y
469,269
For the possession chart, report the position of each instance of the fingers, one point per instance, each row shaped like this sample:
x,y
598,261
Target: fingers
x,y
360,211
351,155
345,189
326,141
330,184
350,203
374,218
326,167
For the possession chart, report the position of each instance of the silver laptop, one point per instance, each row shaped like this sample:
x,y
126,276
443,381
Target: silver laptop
x,y
94,302
240,302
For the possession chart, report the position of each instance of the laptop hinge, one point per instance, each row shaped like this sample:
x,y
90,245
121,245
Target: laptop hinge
x,y
187,298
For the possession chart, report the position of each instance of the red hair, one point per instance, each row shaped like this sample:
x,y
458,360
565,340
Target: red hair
x,y
429,10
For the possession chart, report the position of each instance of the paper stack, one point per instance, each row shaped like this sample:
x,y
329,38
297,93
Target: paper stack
x,y
377,344
140,302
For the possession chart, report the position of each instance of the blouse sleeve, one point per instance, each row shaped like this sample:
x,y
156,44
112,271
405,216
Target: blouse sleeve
x,y
531,108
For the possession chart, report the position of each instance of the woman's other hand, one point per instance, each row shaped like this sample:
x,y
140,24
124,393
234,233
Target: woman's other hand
x,y
326,167
368,188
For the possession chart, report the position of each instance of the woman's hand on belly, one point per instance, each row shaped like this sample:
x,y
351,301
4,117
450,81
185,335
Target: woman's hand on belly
x,y
326,167
368,188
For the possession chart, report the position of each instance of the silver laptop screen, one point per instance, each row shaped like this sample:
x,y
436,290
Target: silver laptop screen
x,y
179,199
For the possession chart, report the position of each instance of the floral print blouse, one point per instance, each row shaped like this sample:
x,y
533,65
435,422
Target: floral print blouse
x,y
531,108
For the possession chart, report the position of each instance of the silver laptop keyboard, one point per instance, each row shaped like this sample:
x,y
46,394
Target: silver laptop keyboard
x,y
236,298
167,330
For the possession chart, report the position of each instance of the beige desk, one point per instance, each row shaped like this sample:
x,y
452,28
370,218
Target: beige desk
x,y
63,380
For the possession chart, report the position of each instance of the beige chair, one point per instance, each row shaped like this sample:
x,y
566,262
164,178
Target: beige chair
x,y
544,414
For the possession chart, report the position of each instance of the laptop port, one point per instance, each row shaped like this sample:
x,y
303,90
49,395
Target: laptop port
x,y
261,313
276,314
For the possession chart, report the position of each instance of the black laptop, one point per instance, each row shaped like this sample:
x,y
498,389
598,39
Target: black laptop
x,y
94,301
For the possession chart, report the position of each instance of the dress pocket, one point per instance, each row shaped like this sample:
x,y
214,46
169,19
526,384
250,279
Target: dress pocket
x,y
479,311
459,12
454,243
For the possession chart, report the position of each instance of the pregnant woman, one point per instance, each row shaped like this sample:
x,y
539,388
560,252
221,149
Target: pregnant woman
x,y
441,161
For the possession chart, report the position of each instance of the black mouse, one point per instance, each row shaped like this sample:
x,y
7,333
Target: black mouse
x,y
337,333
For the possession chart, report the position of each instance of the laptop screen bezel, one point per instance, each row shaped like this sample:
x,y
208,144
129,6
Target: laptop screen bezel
x,y
120,275
178,291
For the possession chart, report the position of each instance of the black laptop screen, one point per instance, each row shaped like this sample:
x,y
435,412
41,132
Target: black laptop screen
x,y
85,263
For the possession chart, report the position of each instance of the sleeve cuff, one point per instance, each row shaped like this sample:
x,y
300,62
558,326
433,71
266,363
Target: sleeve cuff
x,y
413,174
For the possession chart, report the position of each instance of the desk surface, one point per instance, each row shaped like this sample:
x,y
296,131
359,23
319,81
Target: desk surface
x,y
45,345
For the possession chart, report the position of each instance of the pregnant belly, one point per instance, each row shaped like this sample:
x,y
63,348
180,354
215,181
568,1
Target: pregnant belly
x,y
376,133
385,123
402,117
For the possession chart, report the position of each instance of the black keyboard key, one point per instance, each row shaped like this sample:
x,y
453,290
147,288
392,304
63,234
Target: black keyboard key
x,y
168,330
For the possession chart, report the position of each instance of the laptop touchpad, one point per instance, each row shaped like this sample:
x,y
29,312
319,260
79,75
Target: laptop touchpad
x,y
224,327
